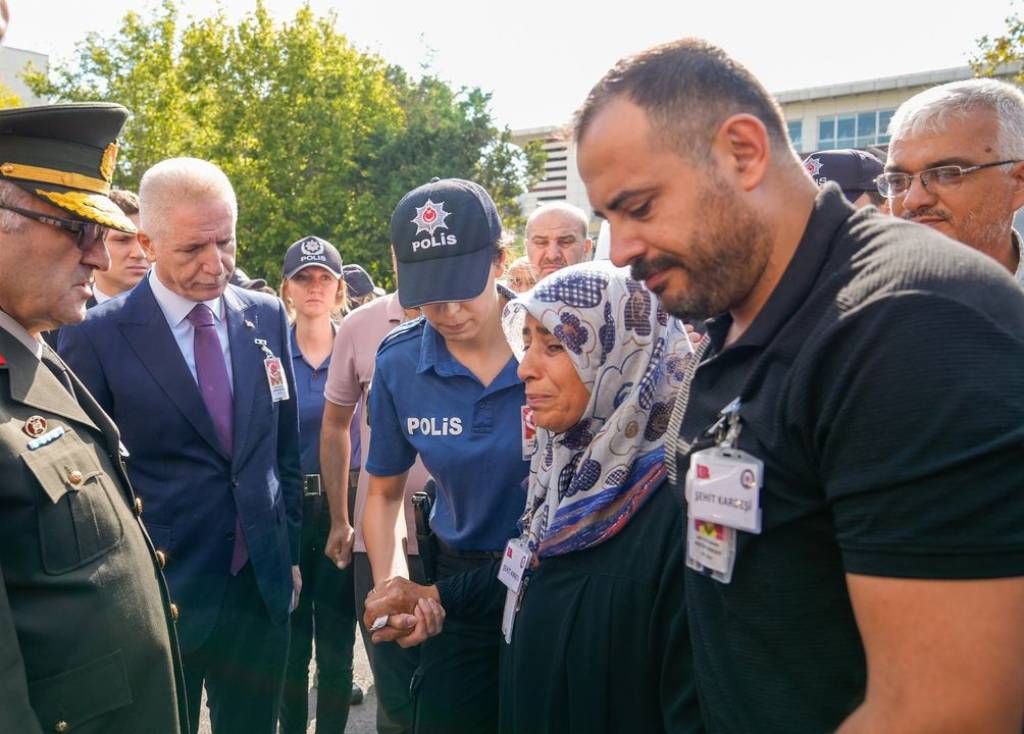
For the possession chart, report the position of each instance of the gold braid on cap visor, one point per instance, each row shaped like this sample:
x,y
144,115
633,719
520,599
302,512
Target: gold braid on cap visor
x,y
95,208
37,174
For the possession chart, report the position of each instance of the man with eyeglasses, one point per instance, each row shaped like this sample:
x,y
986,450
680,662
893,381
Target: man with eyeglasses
x,y
956,164
87,637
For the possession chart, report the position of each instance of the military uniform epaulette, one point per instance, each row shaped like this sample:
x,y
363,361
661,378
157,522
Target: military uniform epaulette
x,y
402,333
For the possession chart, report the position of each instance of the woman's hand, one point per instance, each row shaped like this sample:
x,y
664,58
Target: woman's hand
x,y
397,598
429,617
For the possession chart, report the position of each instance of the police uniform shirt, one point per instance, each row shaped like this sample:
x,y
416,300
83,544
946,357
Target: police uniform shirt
x,y
423,401
309,396
882,388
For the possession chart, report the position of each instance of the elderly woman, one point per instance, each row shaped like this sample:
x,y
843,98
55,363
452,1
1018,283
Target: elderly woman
x,y
597,634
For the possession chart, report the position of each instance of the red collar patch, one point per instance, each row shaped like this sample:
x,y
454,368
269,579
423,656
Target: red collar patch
x,y
3,362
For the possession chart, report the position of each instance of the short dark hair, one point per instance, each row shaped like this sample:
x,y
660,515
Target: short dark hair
x,y
127,201
688,88
876,198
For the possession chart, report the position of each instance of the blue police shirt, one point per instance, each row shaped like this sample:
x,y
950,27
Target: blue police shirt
x,y
309,398
423,401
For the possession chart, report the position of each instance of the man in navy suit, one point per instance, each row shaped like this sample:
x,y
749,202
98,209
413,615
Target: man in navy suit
x,y
197,375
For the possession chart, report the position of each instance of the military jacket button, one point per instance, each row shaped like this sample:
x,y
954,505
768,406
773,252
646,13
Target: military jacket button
x,y
161,558
138,505
174,612
75,477
61,726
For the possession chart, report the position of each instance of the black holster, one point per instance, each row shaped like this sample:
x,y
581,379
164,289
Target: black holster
x,y
422,504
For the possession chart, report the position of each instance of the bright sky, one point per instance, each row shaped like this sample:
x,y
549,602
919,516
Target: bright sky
x,y
540,57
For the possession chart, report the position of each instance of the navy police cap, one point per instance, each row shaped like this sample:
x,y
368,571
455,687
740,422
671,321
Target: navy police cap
x,y
312,251
444,234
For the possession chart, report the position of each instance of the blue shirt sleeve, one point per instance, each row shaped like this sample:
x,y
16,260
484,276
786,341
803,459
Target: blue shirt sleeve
x,y
390,451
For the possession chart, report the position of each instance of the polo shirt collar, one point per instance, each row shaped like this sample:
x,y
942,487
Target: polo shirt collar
x,y
297,353
434,355
176,308
830,211
395,312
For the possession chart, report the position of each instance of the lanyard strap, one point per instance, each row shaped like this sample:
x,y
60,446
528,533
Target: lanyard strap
x,y
675,421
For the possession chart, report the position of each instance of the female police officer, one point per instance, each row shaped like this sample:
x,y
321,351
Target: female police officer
x,y
446,388
314,292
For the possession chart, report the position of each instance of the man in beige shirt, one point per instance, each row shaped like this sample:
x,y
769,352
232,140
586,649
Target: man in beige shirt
x,y
348,383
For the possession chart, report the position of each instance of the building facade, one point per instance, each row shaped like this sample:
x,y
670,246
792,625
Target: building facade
x,y
13,62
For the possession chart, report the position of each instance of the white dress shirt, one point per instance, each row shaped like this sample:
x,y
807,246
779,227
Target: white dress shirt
x,y
176,309
12,327
99,295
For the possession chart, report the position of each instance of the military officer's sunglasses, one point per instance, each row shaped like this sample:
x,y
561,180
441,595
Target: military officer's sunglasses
x,y
86,233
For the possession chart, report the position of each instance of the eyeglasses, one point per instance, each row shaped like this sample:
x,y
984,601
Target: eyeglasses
x,y
86,233
891,185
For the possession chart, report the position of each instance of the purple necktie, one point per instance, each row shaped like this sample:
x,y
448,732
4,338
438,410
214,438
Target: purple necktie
x,y
212,376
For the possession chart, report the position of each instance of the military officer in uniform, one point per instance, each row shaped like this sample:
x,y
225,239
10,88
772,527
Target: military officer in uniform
x,y
87,640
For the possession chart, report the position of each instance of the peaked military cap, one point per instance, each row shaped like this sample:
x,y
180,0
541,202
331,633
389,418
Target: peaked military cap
x,y
65,154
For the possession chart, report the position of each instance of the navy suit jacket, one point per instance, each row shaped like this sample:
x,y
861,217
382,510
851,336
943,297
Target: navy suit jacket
x,y
192,490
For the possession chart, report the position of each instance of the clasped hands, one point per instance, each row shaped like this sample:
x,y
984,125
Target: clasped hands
x,y
414,611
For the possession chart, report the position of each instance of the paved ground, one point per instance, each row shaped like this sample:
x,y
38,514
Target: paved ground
x,y
361,719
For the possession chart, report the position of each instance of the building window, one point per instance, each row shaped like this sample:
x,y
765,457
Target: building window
x,y
884,117
796,133
856,130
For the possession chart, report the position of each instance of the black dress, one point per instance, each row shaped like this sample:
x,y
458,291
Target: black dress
x,y
601,643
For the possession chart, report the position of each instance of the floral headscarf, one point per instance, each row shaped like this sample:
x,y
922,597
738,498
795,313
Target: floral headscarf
x,y
586,483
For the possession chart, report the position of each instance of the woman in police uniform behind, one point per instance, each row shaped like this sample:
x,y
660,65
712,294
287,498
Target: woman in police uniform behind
x,y
445,388
315,295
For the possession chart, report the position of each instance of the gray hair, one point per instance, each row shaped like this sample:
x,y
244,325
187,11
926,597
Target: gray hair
x,y
13,195
180,179
933,109
572,211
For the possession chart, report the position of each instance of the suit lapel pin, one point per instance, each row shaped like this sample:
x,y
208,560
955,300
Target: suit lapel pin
x,y
35,426
249,324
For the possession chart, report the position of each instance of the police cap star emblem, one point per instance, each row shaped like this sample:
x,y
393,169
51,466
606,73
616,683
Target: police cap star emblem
x,y
429,217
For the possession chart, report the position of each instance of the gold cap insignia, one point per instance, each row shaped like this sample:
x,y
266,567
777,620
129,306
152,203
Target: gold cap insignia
x,y
108,162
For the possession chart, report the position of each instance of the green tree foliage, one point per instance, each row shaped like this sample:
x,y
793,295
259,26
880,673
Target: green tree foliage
x,y
1007,48
317,136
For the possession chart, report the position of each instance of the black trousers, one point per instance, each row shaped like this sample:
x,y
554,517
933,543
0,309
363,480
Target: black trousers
x,y
392,666
241,664
326,613
455,688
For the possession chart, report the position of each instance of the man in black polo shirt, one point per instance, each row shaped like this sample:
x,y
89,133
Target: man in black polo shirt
x,y
852,438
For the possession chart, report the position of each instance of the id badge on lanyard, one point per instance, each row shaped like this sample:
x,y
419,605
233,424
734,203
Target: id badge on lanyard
x,y
723,496
275,373
512,573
